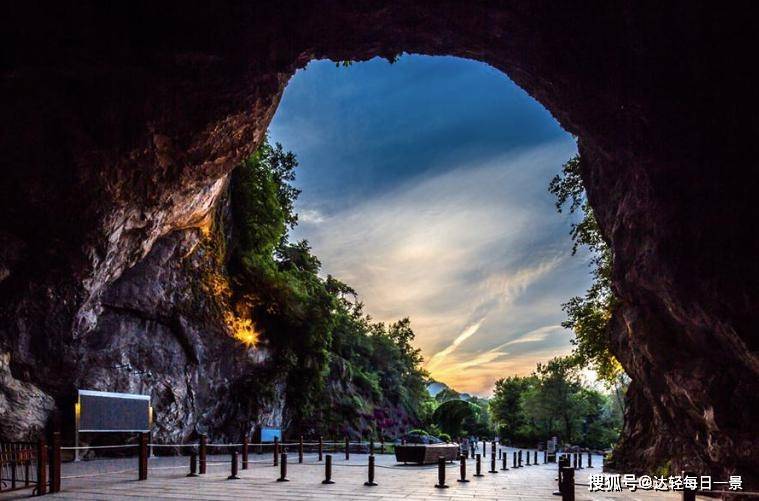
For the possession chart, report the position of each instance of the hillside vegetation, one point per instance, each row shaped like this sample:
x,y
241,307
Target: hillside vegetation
x,y
345,373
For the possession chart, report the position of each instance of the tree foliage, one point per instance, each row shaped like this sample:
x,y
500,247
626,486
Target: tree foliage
x,y
507,405
340,368
456,417
588,316
553,401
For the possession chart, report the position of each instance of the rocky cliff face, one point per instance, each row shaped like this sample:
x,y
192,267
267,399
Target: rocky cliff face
x,y
122,121
160,329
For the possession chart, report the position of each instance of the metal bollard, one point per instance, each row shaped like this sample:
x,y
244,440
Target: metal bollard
x,y
441,473
579,461
283,468
462,468
328,470
347,449
535,458
568,481
545,457
514,463
492,448
492,464
202,453
321,447
143,464
519,455
245,452
574,460
300,449
371,447
275,452
55,462
370,482
484,449
193,465
527,453
478,466
590,460
233,475
504,459
563,462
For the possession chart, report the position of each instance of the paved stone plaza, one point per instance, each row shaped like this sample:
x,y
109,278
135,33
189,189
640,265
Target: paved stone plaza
x,y
167,480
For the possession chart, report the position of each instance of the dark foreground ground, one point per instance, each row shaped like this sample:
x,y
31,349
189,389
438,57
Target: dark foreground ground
x,y
115,480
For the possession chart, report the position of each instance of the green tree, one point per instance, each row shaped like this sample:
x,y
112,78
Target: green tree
x,y
507,406
551,404
457,417
601,419
588,316
482,426
343,372
554,401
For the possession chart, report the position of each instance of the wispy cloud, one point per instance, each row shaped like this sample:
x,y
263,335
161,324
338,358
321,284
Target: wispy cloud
x,y
483,369
438,357
310,216
476,256
534,336
436,207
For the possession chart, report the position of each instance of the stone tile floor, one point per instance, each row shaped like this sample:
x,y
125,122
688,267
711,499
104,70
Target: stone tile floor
x,y
167,480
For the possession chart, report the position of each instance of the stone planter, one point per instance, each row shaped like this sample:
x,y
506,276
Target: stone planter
x,y
425,453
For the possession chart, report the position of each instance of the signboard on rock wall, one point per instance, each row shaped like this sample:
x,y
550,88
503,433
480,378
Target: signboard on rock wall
x,y
110,412
104,412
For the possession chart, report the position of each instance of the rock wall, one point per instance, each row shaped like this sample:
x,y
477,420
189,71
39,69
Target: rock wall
x,y
161,331
122,120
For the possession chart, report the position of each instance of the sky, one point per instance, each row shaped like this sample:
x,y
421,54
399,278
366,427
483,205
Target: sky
x,y
424,187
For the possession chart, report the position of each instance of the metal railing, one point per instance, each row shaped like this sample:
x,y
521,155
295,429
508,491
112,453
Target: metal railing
x,y
19,466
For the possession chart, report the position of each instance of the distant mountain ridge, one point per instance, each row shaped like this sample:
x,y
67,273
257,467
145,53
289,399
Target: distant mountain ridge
x,y
442,392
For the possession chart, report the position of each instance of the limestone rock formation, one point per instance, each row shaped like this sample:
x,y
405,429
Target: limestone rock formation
x,y
120,122
160,332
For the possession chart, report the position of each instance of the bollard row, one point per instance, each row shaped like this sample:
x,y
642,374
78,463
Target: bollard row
x,y
568,463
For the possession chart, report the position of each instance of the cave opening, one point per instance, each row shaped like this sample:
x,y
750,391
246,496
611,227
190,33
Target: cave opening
x,y
125,127
424,184
414,189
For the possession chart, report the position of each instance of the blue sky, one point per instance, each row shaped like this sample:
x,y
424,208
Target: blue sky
x,y
424,186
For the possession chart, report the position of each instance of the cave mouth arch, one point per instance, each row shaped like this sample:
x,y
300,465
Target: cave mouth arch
x,y
435,170
126,117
